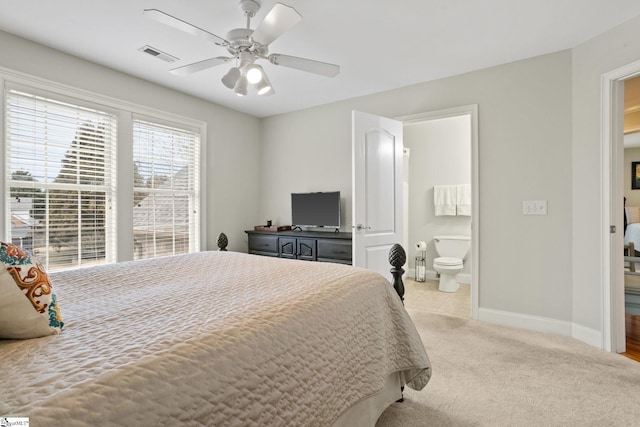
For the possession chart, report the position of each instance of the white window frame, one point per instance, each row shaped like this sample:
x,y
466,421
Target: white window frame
x,y
125,112
195,194
110,159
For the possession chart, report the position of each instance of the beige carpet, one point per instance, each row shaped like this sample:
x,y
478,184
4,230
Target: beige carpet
x,y
489,375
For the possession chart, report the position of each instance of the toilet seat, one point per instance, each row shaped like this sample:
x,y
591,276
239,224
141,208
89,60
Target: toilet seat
x,y
448,261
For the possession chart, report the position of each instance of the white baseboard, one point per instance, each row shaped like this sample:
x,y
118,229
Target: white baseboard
x,y
542,324
525,321
587,335
433,275
535,323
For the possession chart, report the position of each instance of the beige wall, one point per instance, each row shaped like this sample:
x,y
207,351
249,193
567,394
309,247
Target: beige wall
x,y
524,154
232,161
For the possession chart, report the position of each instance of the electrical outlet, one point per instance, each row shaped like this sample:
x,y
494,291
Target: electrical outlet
x,y
534,207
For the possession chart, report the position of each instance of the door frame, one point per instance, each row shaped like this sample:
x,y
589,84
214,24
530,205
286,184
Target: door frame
x,y
612,193
472,111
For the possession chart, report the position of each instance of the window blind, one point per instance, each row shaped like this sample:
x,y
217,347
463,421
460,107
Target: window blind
x,y
60,176
166,189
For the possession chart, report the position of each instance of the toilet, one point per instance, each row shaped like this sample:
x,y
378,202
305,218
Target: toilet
x,y
452,251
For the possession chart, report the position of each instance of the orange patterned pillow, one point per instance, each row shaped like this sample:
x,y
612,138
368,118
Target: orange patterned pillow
x,y
28,303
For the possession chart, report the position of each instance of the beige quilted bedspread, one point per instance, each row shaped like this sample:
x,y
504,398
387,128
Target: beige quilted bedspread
x,y
212,339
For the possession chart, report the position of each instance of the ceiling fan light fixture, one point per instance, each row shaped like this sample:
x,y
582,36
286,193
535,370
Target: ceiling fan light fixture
x,y
254,73
240,88
231,78
263,87
266,91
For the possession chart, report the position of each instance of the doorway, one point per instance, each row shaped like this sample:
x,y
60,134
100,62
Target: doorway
x,y
424,231
631,191
614,329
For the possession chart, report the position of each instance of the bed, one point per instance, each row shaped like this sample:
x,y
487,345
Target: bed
x,y
631,246
216,339
632,235
632,225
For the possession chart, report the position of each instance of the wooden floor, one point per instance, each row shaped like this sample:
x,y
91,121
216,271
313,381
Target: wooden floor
x,y
632,325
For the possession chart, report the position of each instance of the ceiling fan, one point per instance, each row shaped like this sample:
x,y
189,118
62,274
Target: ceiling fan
x,y
246,46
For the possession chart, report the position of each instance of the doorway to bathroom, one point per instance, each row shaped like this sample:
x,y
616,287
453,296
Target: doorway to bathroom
x,y
441,150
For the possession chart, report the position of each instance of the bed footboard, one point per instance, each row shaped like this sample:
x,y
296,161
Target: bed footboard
x,y
397,258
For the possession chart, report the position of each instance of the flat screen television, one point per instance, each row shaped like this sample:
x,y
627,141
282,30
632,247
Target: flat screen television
x,y
315,209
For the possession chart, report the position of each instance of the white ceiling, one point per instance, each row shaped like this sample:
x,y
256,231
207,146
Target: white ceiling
x,y
379,44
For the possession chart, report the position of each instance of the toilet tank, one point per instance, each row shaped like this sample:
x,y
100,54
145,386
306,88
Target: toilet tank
x,y
455,246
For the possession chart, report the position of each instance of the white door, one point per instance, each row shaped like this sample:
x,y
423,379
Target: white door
x,y
377,190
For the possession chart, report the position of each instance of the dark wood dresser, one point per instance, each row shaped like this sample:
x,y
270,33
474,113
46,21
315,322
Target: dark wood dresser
x,y
307,245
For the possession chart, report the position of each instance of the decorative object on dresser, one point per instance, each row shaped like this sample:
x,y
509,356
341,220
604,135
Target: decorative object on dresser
x,y
222,242
307,245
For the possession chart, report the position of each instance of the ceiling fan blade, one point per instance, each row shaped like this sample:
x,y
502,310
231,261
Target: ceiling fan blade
x,y
279,19
199,66
181,25
303,64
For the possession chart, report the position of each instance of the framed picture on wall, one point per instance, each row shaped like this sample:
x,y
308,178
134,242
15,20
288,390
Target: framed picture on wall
x,y
635,175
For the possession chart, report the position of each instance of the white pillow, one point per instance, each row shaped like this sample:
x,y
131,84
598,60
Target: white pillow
x,y
28,303
633,214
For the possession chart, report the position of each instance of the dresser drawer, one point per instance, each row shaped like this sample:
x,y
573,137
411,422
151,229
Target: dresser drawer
x,y
333,249
264,245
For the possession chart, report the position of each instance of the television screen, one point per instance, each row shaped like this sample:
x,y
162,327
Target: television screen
x,y
316,209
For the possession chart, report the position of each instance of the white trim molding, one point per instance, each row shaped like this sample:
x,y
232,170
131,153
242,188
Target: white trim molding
x,y
525,321
542,324
587,335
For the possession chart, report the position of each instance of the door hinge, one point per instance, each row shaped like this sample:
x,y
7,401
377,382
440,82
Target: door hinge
x,y
612,229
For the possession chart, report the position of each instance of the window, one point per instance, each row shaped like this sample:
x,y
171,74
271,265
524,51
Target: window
x,y
60,174
166,197
63,192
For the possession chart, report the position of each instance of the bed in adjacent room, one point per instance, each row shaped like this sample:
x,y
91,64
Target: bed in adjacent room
x,y
213,338
632,226
631,258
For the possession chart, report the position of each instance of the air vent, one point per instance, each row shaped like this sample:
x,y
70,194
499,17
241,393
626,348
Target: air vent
x,y
158,53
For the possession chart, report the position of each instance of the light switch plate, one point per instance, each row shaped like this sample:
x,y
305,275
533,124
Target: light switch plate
x,y
534,207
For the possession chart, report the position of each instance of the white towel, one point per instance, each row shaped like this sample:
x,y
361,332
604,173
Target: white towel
x,y
463,200
444,199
